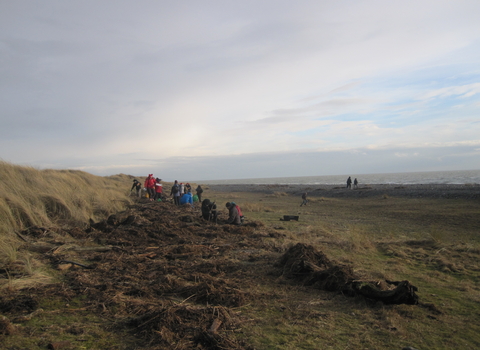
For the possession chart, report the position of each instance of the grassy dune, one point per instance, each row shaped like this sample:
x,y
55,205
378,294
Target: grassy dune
x,y
432,242
50,198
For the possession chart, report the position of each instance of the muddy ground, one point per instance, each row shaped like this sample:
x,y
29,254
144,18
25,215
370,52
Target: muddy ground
x,y
169,278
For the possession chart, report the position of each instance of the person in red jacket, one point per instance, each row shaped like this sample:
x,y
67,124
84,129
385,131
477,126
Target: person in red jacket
x,y
150,186
158,189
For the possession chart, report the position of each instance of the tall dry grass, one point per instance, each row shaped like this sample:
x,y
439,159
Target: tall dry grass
x,y
47,198
32,197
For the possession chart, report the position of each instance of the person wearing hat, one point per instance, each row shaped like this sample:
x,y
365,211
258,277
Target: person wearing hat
x,y
150,186
158,189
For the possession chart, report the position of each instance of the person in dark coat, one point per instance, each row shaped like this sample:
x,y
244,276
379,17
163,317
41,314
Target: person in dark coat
x,y
233,214
209,210
175,192
199,190
304,197
137,185
349,182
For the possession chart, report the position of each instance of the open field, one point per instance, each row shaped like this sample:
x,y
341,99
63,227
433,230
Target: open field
x,y
157,276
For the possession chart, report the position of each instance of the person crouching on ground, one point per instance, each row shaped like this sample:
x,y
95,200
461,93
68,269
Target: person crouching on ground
x,y
233,214
187,198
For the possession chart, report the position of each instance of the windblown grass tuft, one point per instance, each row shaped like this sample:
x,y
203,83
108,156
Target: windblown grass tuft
x,y
31,197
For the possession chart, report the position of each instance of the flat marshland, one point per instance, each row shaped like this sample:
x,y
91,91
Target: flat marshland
x,y
123,273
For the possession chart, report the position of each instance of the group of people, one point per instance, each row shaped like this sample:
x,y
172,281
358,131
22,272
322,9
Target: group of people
x,y
349,183
210,213
182,194
153,187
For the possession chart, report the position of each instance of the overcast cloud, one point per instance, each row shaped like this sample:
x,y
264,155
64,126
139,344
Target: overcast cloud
x,y
240,89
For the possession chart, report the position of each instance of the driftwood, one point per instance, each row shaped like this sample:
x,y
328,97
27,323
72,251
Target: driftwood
x,y
75,263
215,325
43,247
404,293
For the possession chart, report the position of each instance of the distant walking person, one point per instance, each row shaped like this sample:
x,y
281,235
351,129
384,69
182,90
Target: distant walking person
x,y
150,186
137,185
304,197
355,184
349,182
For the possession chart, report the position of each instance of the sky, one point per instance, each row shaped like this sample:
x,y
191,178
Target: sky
x,y
220,89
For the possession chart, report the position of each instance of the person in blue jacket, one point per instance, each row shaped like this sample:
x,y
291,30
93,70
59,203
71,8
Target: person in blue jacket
x,y
187,198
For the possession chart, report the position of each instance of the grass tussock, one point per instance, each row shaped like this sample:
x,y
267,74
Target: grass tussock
x,y
255,207
31,197
277,194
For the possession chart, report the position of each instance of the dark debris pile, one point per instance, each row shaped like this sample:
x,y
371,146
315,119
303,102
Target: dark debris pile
x,y
172,279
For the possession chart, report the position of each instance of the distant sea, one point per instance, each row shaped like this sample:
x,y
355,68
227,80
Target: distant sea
x,y
431,177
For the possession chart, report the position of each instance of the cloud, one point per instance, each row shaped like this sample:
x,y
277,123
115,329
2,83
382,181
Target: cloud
x,y
106,85
463,91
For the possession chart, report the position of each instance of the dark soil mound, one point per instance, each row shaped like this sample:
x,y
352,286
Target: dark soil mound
x,y
312,268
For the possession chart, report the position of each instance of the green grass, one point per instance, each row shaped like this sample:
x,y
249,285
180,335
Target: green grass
x,y
433,243
67,320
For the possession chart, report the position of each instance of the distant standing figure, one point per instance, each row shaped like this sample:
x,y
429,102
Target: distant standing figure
x,y
355,183
304,197
199,193
175,192
182,189
150,186
158,189
349,182
137,185
188,188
